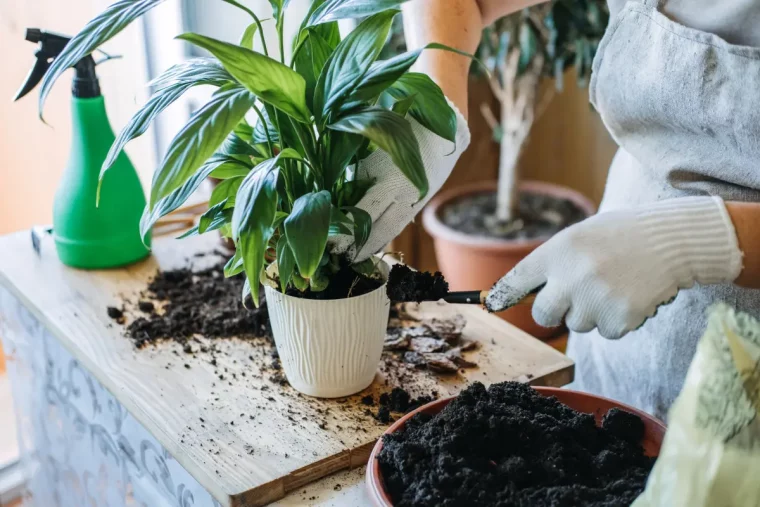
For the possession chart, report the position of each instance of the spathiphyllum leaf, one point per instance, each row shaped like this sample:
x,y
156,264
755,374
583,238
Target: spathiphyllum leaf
x,y
340,223
98,31
350,62
236,147
229,168
225,191
402,106
234,265
271,81
214,218
286,262
176,198
199,139
430,107
311,60
246,40
260,130
196,71
393,134
307,229
333,10
342,146
362,225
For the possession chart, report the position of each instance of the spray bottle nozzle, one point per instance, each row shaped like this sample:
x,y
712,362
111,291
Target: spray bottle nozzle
x,y
51,44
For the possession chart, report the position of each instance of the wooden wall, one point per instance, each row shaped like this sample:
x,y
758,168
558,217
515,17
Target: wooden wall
x,y
568,145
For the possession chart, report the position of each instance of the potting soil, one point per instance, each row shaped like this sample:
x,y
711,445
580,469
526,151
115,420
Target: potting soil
x,y
407,285
538,216
343,284
509,446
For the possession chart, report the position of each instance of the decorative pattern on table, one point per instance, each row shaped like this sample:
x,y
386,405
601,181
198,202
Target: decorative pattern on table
x,y
79,446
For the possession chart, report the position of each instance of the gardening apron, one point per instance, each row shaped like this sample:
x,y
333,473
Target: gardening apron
x,y
684,107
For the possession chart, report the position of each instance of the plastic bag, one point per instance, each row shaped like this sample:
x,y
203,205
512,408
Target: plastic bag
x,y
711,453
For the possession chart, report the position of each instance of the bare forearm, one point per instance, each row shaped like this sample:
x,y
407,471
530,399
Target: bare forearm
x,y
746,217
456,23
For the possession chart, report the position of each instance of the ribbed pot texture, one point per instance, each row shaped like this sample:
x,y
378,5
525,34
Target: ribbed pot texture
x,y
329,349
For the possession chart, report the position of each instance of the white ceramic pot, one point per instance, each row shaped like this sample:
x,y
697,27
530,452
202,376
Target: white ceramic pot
x,y
329,349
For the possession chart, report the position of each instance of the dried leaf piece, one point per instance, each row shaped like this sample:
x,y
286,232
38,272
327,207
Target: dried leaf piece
x,y
455,355
467,345
395,340
448,329
440,363
424,344
414,358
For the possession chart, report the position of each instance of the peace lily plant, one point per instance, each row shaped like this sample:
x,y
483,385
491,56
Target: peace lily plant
x,y
289,182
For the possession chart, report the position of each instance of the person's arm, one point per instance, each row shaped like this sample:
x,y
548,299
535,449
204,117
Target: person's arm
x,y
456,23
746,219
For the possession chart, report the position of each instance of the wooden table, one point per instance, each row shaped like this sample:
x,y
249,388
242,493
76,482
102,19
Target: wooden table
x,y
102,423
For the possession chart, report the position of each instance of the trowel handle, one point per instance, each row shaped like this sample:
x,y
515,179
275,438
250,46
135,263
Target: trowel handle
x,y
478,297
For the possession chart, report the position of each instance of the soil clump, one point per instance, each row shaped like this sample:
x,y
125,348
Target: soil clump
x,y
538,216
508,445
407,285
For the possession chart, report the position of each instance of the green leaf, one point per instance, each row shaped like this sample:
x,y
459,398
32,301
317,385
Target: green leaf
x,y
286,262
214,218
310,61
353,191
278,10
198,140
234,265
225,191
229,168
252,219
393,134
246,40
98,31
366,267
430,108
333,10
340,223
307,229
319,281
299,282
196,71
342,147
350,62
402,106
362,225
176,198
237,148
259,131
244,131
271,81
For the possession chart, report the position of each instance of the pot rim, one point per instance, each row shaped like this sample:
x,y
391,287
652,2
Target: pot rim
x,y
374,478
384,269
439,230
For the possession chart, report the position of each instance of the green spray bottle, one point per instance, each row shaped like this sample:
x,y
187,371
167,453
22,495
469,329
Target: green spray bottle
x,y
87,235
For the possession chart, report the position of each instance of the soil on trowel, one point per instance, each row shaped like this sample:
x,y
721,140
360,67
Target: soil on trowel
x,y
406,285
196,302
508,445
538,216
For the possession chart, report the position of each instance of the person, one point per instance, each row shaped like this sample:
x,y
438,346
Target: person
x,y
677,84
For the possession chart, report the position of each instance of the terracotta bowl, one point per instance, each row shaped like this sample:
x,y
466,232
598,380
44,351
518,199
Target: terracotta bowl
x,y
471,263
654,430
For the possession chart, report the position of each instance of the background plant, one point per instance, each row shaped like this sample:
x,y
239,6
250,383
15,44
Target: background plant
x,y
286,183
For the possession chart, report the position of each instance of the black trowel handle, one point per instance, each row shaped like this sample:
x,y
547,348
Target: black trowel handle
x,y
478,297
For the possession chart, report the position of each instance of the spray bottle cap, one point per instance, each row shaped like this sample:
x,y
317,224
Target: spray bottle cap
x,y
85,83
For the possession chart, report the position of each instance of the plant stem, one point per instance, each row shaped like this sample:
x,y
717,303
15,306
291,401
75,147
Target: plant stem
x,y
280,29
266,129
255,19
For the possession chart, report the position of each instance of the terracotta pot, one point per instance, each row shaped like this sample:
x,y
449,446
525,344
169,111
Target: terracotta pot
x,y
471,263
654,430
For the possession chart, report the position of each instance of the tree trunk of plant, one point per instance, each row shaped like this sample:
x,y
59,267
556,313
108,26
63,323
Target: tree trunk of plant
x,y
507,196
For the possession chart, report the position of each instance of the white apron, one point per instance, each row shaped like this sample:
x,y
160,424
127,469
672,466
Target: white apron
x,y
684,107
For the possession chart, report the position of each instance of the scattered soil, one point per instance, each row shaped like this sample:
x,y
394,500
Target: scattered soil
x,y
539,216
345,283
196,302
115,313
508,445
407,285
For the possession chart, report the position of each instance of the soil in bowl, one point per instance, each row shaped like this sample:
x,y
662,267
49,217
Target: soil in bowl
x,y
508,445
343,284
406,285
539,216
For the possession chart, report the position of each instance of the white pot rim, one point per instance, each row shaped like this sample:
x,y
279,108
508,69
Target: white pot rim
x,y
384,269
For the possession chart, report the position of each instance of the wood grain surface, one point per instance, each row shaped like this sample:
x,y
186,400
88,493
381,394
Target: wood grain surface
x,y
246,440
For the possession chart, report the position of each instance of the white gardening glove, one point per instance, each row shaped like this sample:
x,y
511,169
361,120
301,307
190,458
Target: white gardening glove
x,y
614,269
392,201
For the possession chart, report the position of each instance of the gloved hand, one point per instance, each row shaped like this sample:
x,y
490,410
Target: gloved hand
x,y
392,201
614,269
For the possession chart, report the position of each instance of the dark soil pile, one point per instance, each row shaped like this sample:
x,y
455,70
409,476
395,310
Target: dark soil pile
x,y
345,283
196,302
399,401
507,445
539,216
407,285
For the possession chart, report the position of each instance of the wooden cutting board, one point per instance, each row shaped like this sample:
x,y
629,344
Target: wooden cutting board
x,y
245,438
